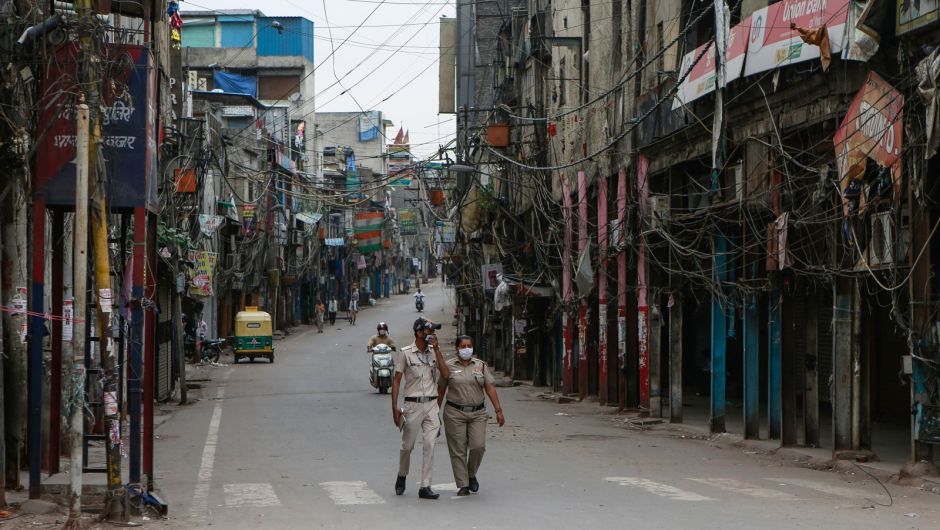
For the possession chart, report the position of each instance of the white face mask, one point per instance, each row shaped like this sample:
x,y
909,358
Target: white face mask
x,y
465,353
382,332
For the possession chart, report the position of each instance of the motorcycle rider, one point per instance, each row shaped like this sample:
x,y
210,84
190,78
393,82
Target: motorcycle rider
x,y
419,299
381,337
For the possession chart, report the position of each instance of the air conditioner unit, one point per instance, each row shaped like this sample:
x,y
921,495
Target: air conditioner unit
x,y
881,244
658,211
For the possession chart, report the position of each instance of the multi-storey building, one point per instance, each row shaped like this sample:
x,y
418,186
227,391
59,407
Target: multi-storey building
x,y
741,238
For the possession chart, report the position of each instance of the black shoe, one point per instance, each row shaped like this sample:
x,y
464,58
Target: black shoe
x,y
463,492
474,485
400,486
428,493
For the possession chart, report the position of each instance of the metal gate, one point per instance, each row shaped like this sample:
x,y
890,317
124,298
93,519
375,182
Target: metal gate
x,y
164,360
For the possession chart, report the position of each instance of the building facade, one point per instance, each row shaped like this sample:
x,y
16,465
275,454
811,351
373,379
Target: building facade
x,y
705,214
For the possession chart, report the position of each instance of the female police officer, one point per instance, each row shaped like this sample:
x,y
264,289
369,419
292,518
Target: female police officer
x,y
465,379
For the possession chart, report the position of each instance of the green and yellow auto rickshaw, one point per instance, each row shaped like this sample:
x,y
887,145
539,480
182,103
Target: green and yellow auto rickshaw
x,y
254,335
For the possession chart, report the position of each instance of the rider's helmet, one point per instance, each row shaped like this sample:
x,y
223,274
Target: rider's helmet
x,y
381,327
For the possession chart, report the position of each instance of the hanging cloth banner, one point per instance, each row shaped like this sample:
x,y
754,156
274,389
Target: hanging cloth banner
x,y
208,224
368,230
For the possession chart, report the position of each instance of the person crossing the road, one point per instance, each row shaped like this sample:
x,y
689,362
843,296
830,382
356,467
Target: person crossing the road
x,y
465,379
417,366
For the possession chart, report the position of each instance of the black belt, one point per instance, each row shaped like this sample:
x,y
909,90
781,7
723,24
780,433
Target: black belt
x,y
466,408
422,399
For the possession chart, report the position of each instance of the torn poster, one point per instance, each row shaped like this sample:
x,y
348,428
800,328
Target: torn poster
x,y
928,72
68,319
867,22
871,130
18,303
783,253
208,224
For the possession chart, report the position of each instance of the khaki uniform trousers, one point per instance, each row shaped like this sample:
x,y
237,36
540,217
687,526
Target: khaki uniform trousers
x,y
466,433
419,418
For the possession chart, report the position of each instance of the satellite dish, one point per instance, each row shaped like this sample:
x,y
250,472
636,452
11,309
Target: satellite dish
x,y
295,97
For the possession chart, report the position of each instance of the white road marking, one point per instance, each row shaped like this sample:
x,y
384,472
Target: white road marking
x,y
744,488
261,494
663,490
837,491
352,492
200,504
451,486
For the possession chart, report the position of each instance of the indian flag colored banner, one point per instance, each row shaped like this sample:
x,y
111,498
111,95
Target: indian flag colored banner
x,y
368,230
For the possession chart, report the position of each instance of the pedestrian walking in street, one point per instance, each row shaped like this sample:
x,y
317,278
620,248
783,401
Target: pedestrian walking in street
x,y
417,365
465,379
331,310
320,311
353,311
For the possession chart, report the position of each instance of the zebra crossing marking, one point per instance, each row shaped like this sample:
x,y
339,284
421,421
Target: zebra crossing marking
x,y
662,490
744,488
259,494
347,493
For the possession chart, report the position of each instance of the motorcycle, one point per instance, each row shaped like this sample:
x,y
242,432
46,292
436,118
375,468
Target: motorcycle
x,y
211,348
383,366
419,304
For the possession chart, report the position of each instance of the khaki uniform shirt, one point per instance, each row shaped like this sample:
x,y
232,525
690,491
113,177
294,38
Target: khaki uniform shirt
x,y
419,372
465,384
378,339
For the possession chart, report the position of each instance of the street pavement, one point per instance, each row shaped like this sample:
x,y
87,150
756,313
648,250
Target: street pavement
x,y
307,443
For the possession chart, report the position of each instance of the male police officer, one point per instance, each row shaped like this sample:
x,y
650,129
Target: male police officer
x,y
417,364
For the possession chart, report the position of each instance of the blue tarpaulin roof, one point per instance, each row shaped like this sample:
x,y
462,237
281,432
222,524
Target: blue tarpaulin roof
x,y
235,84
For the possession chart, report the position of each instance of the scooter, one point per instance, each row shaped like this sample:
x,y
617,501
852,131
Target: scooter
x,y
380,375
419,304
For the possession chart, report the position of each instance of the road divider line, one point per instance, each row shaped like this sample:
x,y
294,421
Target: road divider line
x,y
662,490
200,505
351,492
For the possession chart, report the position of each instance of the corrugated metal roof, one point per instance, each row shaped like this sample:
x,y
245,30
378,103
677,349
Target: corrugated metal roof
x,y
295,39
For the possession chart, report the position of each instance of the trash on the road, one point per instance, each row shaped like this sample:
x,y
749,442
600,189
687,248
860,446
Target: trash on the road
x,y
912,515
562,414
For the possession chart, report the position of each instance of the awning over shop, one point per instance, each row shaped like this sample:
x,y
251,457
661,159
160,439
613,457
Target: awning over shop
x,y
532,289
309,218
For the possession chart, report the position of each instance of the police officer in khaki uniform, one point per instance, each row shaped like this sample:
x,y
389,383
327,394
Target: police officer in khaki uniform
x,y
418,366
466,379
381,337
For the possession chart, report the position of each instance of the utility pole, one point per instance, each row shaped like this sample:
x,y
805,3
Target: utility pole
x,y
75,349
95,176
3,445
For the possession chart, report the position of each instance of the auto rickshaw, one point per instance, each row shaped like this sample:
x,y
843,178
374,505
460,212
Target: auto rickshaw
x,y
253,335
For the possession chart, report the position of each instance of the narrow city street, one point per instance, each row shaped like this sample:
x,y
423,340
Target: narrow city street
x,y
307,443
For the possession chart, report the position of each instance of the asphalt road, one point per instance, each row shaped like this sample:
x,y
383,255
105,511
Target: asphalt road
x,y
307,443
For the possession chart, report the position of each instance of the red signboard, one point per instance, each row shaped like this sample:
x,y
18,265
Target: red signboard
x,y
701,78
872,129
